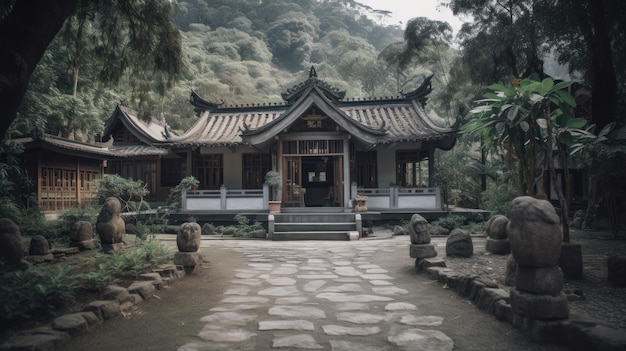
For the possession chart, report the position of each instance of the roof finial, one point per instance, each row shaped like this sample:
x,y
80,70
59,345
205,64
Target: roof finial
x,y
312,73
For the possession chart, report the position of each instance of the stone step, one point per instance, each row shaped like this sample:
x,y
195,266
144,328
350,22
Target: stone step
x,y
312,235
314,217
314,226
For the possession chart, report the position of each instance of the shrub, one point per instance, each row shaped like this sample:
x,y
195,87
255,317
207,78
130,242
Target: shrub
x,y
244,228
125,265
186,184
130,192
35,292
449,222
498,196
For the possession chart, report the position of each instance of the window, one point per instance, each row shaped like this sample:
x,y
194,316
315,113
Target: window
x,y
254,167
144,170
173,170
411,168
366,173
209,170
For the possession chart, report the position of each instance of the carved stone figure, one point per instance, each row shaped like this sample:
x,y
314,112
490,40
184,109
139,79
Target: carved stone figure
x,y
418,229
11,247
188,238
110,226
459,244
81,236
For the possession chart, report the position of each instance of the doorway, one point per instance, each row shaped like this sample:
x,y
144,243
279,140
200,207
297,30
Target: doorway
x,y
313,181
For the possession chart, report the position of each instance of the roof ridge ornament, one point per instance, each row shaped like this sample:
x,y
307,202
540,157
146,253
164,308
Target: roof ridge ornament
x,y
421,93
292,94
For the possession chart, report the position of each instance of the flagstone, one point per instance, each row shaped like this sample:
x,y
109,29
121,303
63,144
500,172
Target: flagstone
x,y
400,306
298,324
229,318
341,297
427,321
245,299
225,335
360,318
297,311
356,331
300,341
419,339
313,285
280,291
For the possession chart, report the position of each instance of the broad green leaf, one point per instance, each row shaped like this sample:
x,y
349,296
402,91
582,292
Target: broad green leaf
x,y
561,85
497,87
512,113
490,95
566,138
566,97
525,126
542,123
576,123
500,128
480,109
546,85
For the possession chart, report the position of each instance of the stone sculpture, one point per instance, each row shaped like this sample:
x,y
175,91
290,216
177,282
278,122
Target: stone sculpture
x,y
421,249
497,238
11,247
110,226
536,237
459,244
188,242
81,236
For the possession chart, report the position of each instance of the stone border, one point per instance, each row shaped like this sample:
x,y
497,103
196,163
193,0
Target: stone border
x,y
576,332
114,301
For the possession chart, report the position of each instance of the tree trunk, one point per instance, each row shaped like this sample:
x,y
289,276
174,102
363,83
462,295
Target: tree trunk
x,y
25,34
604,99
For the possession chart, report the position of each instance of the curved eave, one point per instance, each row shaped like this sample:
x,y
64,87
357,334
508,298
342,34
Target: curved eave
x,y
313,96
134,125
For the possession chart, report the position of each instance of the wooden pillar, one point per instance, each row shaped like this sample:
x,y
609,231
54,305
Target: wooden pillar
x,y
346,171
77,180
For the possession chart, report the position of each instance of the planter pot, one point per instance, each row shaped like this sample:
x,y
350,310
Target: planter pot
x,y
275,206
571,261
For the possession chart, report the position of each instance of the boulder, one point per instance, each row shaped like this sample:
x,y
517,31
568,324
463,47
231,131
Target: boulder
x,y
534,232
496,227
11,247
498,246
422,251
110,226
459,244
539,306
400,230
39,246
189,236
548,280
81,231
208,229
418,230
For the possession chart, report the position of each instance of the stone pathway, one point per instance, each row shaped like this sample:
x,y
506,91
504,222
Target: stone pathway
x,y
316,295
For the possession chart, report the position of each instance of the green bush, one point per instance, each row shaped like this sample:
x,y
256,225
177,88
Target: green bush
x,y
35,292
498,196
126,265
449,222
244,228
186,184
130,192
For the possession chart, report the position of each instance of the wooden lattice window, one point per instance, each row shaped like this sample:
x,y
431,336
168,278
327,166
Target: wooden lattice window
x,y
253,169
366,169
209,170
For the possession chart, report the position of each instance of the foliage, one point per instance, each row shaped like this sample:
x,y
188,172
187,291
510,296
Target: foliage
x,y
80,213
17,199
186,184
32,292
106,269
498,196
449,222
244,228
128,191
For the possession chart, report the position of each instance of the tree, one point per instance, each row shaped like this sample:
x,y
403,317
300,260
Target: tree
x,y
529,120
136,38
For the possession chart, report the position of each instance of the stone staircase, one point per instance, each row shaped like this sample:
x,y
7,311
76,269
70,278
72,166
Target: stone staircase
x,y
315,225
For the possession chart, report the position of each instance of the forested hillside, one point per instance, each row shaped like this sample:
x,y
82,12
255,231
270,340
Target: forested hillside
x,y
236,51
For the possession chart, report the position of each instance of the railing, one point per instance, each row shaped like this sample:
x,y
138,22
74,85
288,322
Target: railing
x,y
395,197
226,199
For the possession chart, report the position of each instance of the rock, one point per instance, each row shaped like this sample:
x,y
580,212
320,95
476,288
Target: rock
x,y
11,247
189,236
40,339
534,306
400,230
38,245
418,230
81,231
511,271
540,280
422,264
459,244
496,227
617,270
534,232
142,288
422,251
83,245
75,322
208,229
104,309
110,226
439,230
498,246
114,292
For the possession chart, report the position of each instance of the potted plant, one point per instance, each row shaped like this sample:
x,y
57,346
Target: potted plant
x,y
274,181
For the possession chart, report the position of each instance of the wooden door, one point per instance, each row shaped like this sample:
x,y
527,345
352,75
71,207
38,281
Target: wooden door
x,y
292,182
338,180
